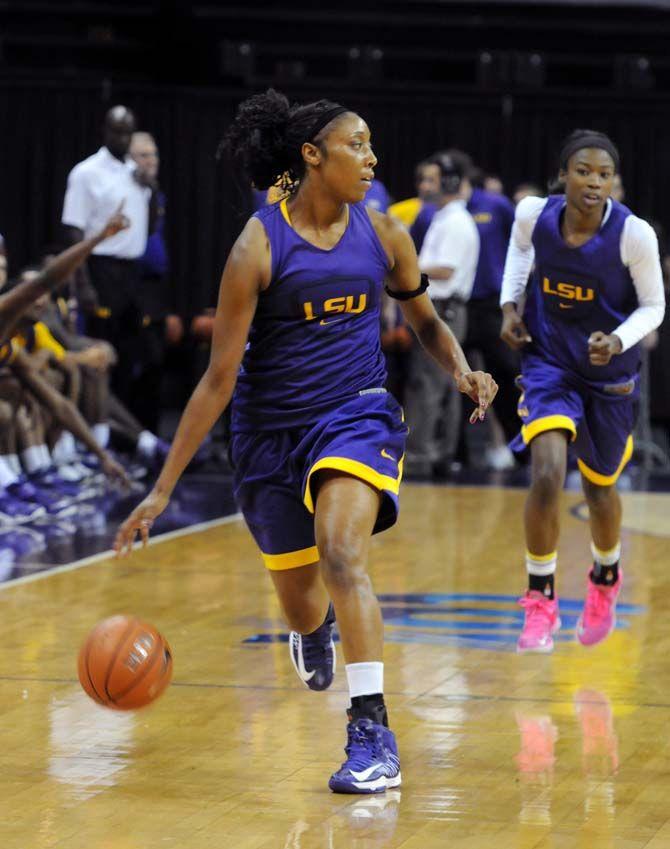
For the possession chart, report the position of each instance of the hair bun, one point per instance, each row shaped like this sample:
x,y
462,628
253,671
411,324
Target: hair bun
x,y
257,137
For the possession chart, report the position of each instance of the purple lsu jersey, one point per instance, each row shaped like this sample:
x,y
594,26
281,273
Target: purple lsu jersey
x,y
577,291
314,340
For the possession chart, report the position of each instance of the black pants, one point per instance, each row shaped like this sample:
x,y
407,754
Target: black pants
x,y
483,335
118,317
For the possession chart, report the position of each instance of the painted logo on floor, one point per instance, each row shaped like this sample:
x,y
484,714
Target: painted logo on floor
x,y
472,620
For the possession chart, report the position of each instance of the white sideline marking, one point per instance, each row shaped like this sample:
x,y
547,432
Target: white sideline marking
x,y
104,555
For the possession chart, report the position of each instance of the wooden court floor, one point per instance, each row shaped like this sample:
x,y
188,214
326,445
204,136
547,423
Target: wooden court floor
x,y
569,750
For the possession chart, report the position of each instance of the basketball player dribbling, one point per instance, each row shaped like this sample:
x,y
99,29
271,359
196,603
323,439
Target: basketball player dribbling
x,y
596,291
317,442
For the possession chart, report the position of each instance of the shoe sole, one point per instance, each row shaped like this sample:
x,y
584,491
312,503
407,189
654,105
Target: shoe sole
x,y
367,788
11,521
548,649
297,671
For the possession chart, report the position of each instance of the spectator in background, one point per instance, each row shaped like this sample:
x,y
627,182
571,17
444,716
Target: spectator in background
x,y
449,257
494,215
618,192
493,184
95,188
378,197
524,190
406,211
160,325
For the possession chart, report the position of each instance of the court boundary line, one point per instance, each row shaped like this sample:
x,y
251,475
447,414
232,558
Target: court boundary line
x,y
105,555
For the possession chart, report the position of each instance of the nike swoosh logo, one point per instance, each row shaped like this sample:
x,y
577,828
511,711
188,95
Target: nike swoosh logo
x,y
386,454
330,321
363,776
565,306
302,672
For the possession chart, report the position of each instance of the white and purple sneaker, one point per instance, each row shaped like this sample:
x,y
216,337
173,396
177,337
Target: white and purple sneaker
x,y
313,655
23,542
16,511
54,501
372,764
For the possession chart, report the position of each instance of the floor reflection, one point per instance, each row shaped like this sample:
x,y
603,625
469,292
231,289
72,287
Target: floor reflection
x,y
537,762
366,822
88,745
600,752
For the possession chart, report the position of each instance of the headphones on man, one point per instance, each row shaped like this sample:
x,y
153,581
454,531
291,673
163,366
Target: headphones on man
x,y
451,174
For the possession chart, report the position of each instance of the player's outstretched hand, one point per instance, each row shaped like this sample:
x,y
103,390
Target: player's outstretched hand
x,y
141,519
482,388
117,222
115,472
513,331
603,347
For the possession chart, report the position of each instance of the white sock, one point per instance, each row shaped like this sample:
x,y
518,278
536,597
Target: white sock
x,y
543,564
33,459
7,474
14,463
101,434
65,449
47,462
146,443
606,558
365,679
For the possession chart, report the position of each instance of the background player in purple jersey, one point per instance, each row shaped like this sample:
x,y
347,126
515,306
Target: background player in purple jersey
x,y
317,442
596,291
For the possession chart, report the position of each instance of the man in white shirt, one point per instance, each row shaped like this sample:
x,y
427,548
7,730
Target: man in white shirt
x,y
95,188
449,257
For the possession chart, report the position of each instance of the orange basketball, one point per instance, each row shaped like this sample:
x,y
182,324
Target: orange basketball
x,y
124,663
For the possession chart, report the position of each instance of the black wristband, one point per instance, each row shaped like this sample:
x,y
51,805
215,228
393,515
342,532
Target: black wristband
x,y
412,293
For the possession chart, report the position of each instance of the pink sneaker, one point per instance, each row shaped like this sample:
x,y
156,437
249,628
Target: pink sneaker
x,y
599,615
540,623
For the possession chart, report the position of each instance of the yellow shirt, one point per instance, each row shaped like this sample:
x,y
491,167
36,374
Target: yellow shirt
x,y
7,353
38,339
406,211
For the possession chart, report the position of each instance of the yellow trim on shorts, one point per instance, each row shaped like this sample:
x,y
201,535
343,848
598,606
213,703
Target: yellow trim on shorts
x,y
607,480
291,560
356,470
556,422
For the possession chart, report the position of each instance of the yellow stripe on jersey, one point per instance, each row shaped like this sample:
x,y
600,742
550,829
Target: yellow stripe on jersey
x,y
283,206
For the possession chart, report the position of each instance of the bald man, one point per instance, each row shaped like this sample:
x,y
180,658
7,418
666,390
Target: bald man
x,y
95,188
155,294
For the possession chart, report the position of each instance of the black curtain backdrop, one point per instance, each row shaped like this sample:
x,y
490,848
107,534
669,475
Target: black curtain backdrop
x,y
49,127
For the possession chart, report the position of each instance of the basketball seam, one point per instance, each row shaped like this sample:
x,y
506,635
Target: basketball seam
x,y
133,622
139,678
88,673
